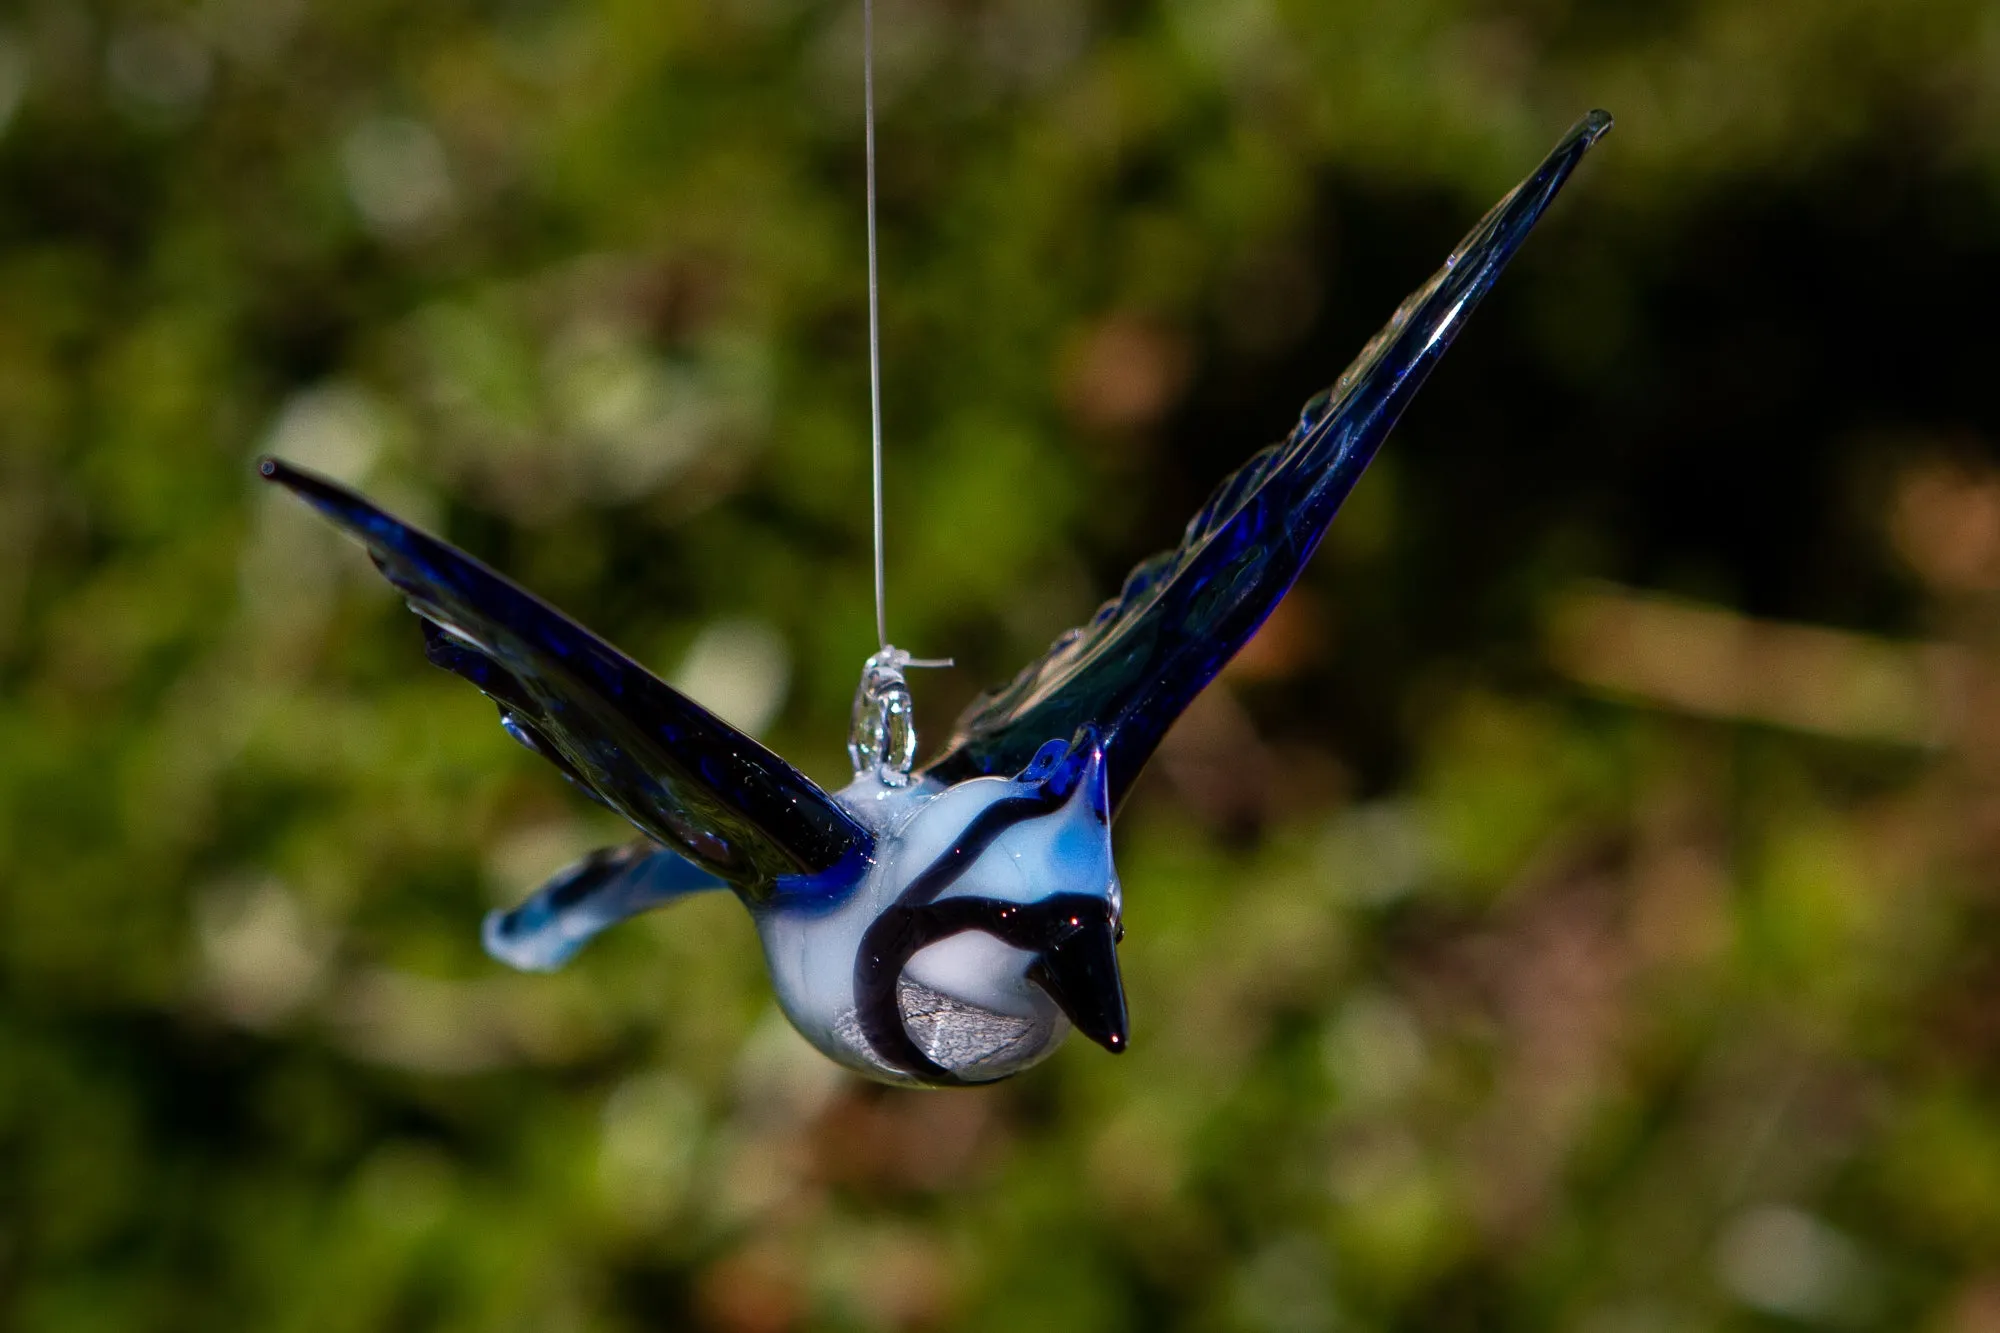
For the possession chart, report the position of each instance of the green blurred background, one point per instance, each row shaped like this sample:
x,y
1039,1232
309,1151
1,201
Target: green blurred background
x,y
1578,911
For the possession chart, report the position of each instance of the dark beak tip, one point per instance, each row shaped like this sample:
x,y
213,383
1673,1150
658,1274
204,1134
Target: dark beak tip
x,y
1079,971
1108,1031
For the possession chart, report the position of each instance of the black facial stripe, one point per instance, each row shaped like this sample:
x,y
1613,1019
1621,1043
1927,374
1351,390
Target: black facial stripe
x,y
916,921
904,931
988,825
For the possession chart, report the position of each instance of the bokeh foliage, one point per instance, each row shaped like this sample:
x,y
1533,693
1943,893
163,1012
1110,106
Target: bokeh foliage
x,y
1508,948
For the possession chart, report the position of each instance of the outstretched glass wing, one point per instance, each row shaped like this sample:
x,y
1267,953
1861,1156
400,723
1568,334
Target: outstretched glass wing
x,y
682,775
1184,613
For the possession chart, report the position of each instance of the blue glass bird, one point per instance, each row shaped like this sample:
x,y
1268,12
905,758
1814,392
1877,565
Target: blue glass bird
x,y
946,925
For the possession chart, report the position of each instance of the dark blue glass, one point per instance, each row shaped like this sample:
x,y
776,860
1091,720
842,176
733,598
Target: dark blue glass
x,y
1184,613
682,775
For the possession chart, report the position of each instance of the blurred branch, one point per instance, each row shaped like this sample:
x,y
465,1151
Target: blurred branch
x,y
1691,658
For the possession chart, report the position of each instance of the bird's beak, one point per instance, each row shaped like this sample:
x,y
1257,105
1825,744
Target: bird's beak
x,y
1080,973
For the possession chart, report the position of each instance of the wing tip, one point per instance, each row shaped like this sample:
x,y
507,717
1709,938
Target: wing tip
x,y
306,485
273,468
1541,187
1501,232
354,513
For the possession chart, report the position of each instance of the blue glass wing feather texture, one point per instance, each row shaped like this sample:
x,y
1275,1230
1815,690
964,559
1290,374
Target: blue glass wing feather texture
x,y
680,774
952,925
1184,613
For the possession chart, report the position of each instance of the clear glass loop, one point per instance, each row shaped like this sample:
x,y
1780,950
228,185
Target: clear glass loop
x,y
882,739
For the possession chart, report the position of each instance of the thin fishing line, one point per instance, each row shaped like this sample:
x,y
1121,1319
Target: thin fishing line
x,y
874,317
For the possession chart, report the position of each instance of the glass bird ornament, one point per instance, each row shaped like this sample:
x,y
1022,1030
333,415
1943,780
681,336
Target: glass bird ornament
x,y
949,924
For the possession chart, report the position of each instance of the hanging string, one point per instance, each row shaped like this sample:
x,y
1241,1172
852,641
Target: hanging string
x,y
874,318
882,736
